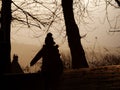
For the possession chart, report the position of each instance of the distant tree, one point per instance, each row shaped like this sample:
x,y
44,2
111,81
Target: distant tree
x,y
5,46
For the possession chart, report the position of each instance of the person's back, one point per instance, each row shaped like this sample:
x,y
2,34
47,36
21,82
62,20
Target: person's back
x,y
52,66
52,62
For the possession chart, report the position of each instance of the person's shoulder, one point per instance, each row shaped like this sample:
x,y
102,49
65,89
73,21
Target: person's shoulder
x,y
56,46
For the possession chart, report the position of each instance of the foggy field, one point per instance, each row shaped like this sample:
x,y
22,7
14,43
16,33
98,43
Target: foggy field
x,y
100,78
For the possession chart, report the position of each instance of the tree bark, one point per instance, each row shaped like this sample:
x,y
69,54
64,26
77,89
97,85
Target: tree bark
x,y
74,39
5,45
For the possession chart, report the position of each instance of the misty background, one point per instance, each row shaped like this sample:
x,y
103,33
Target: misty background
x,y
98,24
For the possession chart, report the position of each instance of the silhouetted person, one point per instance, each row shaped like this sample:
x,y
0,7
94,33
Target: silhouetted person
x,y
15,67
52,66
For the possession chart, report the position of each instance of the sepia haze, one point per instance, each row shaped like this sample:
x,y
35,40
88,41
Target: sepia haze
x,y
99,33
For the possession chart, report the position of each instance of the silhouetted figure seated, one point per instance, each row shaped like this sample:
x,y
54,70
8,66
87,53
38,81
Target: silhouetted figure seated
x,y
15,67
52,66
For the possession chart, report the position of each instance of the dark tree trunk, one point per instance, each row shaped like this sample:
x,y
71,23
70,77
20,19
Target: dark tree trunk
x,y
5,45
74,39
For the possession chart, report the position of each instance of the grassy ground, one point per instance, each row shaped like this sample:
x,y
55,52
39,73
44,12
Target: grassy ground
x,y
100,78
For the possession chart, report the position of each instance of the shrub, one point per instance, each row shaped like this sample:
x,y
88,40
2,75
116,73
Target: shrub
x,y
108,59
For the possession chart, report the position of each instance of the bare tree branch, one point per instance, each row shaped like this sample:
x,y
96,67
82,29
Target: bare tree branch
x,y
28,14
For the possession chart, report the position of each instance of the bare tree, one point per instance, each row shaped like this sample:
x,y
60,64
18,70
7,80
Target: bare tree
x,y
5,44
74,39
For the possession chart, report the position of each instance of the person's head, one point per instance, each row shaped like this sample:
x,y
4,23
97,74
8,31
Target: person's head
x,y
49,39
15,58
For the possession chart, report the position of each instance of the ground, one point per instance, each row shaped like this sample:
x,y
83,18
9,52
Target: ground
x,y
100,78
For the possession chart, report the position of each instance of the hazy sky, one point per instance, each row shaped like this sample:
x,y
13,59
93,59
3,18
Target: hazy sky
x,y
96,24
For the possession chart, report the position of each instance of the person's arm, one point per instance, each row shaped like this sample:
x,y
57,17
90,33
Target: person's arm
x,y
36,58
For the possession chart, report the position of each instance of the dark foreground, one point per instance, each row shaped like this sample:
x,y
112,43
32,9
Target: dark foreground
x,y
102,78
